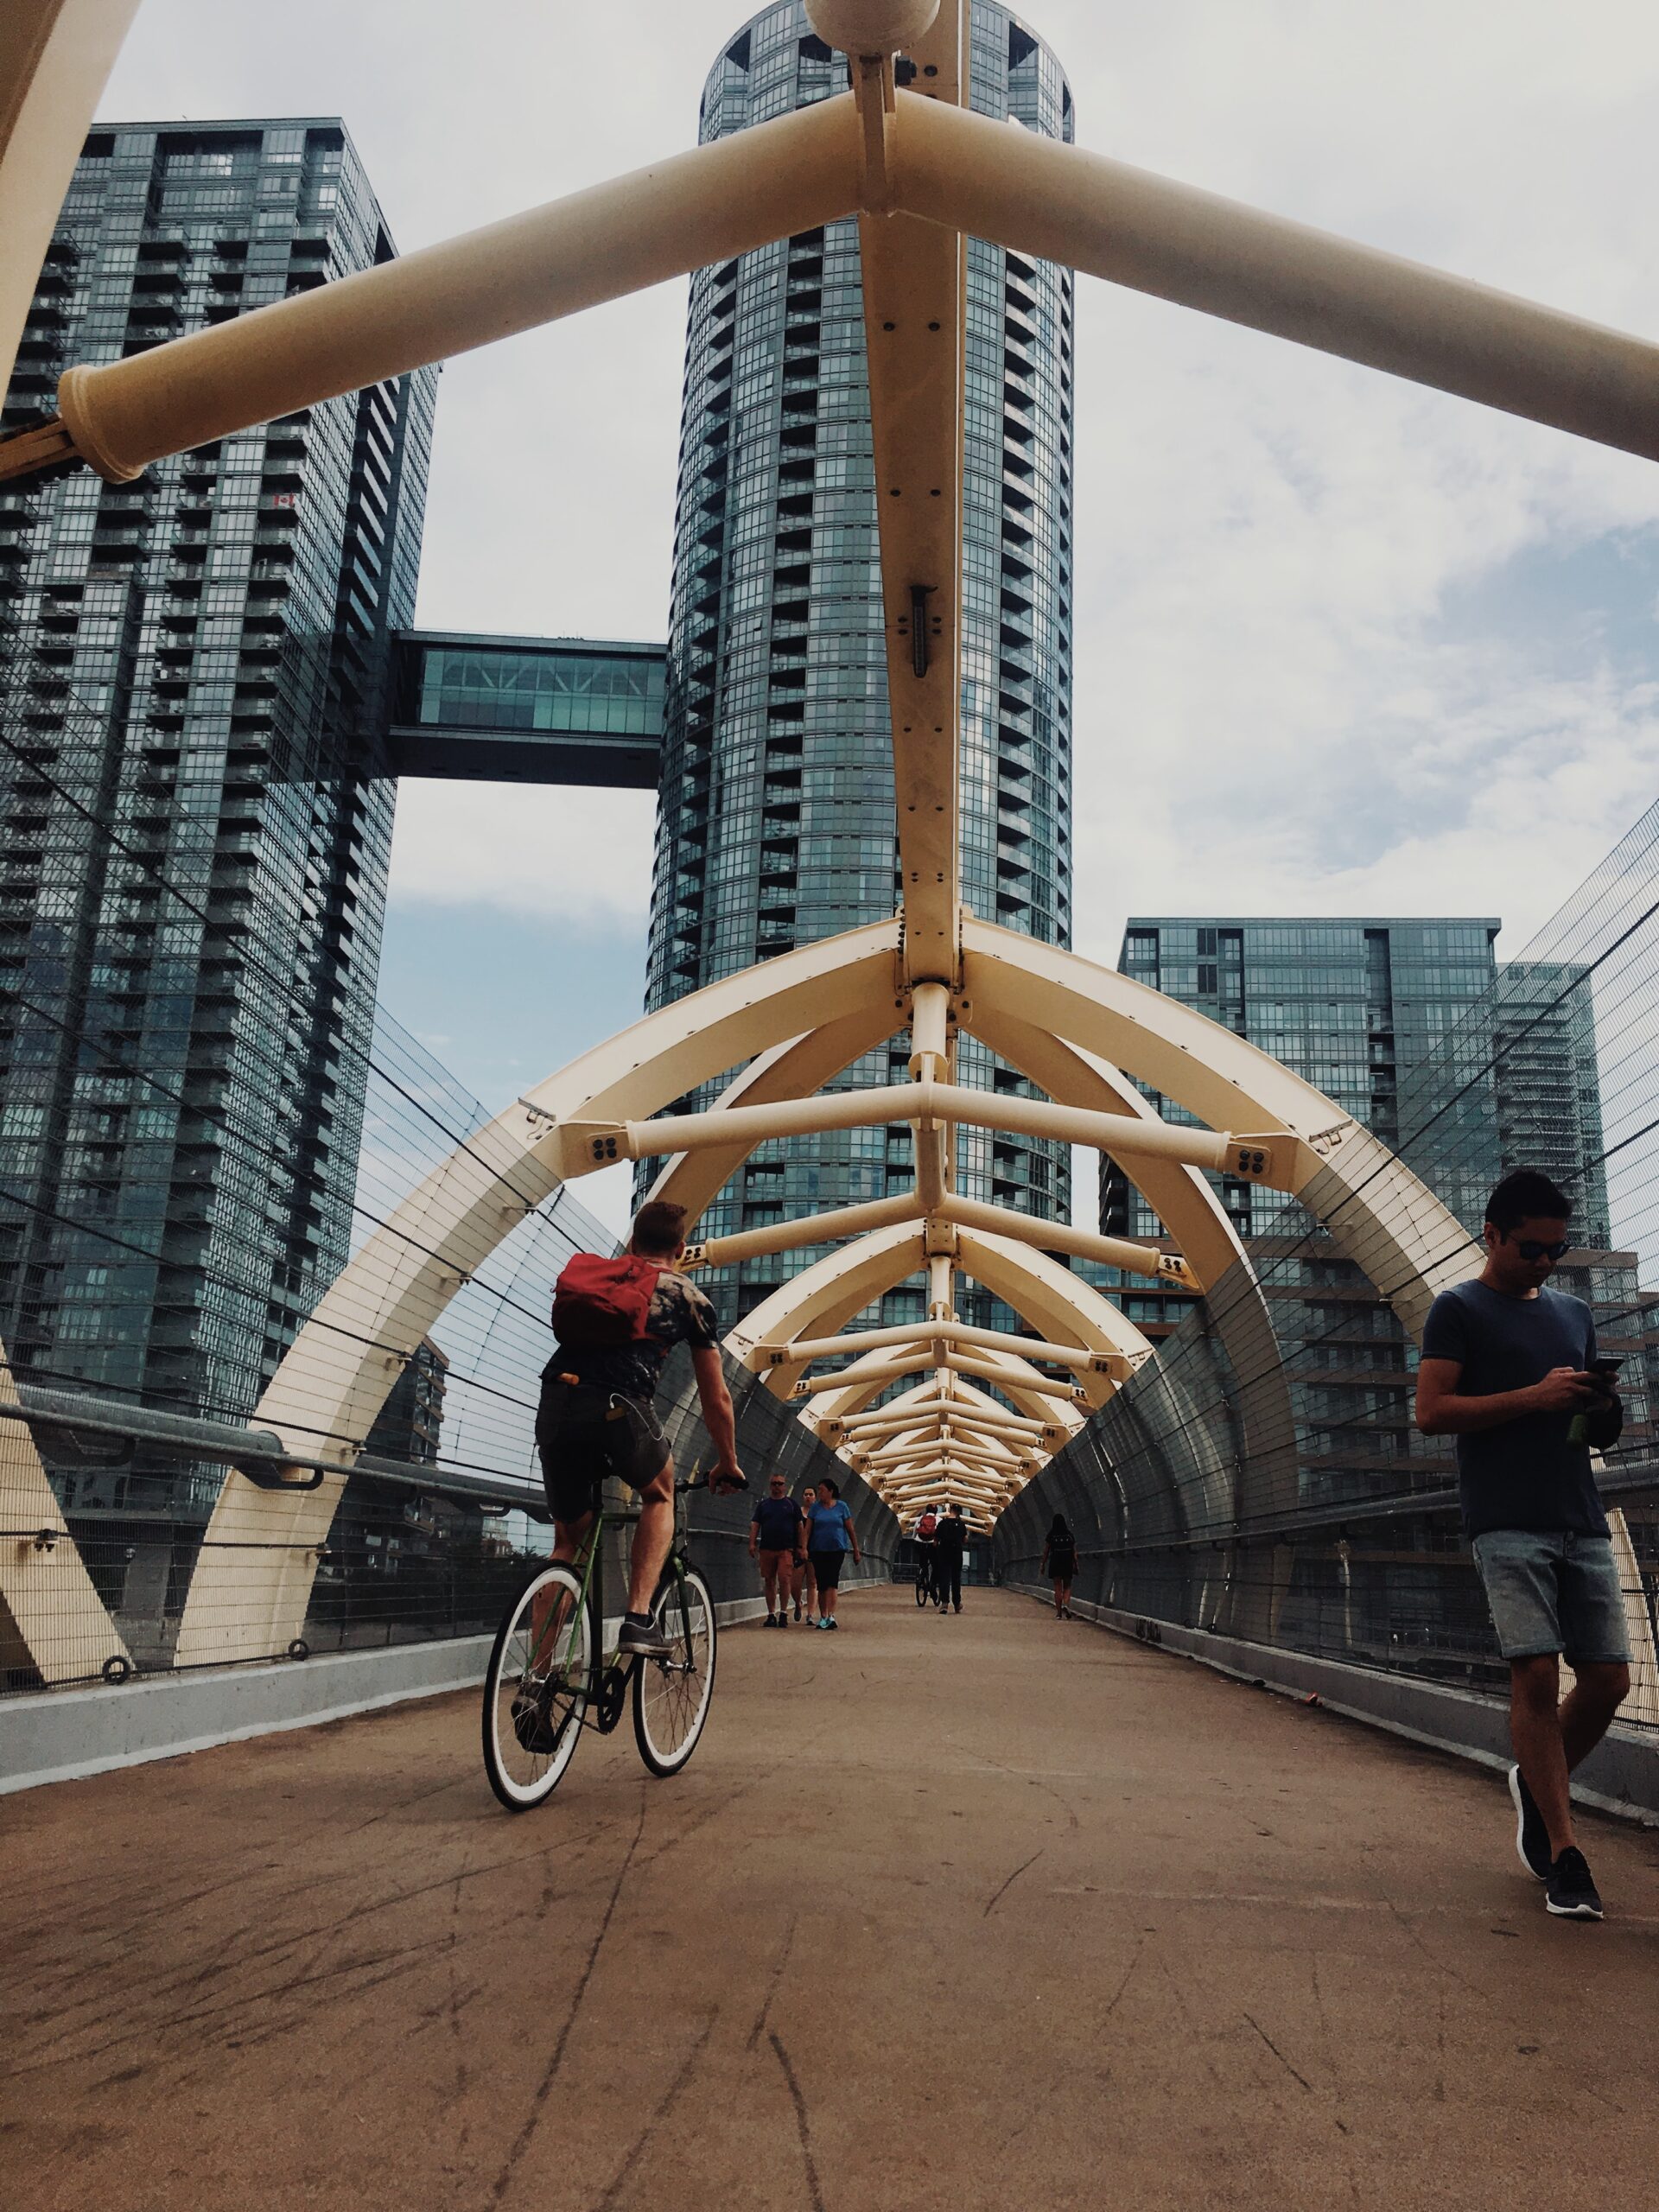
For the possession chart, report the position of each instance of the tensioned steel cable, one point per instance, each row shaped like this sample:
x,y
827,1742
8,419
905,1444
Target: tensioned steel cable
x,y
252,1148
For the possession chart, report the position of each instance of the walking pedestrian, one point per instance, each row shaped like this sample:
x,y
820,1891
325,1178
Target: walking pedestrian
x,y
950,1536
831,1537
775,1539
1510,1369
1060,1565
805,1586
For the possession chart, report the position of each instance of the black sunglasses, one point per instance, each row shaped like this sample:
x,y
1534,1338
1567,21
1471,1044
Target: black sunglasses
x,y
1530,1247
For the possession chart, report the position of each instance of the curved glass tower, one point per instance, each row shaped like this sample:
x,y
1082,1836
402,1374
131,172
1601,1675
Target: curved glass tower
x,y
776,825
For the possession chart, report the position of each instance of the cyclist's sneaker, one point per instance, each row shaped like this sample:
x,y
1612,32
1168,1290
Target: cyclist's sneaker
x,y
641,1639
538,1731
1531,1836
1572,1894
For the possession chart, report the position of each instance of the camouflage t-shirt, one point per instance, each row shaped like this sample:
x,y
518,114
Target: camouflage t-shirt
x,y
680,1314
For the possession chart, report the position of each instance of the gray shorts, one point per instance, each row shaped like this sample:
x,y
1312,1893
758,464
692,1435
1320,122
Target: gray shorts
x,y
1554,1592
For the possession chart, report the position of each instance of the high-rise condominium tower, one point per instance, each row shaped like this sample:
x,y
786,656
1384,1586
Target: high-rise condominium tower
x,y
194,809
776,825
1465,1065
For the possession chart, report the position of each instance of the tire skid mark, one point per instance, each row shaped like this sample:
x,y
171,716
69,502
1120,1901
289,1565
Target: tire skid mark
x,y
803,2122
660,2112
533,2119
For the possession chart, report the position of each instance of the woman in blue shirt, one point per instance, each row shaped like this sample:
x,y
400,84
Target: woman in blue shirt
x,y
831,1535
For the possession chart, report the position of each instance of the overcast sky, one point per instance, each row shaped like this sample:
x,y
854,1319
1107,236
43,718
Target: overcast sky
x,y
1341,646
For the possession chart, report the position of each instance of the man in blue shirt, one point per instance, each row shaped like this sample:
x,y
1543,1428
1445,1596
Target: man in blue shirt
x,y
776,1537
1508,1366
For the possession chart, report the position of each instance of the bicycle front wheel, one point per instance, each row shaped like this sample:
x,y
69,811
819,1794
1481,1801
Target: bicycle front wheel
x,y
671,1696
536,1690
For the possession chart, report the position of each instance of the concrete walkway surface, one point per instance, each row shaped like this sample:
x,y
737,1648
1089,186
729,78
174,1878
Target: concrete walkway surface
x,y
992,1911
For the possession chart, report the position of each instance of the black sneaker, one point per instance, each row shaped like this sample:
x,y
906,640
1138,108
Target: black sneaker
x,y
772,1620
1572,1894
1531,1836
639,1640
535,1727
783,1620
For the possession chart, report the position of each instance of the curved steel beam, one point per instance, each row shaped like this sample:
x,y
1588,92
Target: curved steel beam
x,y
335,1376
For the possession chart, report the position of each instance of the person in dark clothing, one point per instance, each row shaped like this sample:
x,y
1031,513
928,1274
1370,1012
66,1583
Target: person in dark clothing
x,y
950,1536
1060,1565
1510,1369
775,1537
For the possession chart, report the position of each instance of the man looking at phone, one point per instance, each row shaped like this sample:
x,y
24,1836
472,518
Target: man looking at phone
x,y
1510,1369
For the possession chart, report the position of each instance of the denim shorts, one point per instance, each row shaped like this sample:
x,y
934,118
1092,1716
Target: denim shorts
x,y
1553,1593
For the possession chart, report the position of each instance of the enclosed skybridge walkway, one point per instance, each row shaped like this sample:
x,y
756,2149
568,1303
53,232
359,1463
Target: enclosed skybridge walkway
x,y
988,1911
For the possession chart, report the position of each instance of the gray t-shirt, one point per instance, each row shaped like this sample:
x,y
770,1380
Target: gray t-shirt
x,y
1524,1473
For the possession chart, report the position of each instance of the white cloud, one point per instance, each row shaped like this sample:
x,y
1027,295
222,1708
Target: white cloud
x,y
580,856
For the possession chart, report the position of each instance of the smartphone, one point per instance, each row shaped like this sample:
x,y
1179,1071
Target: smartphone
x,y
1605,1371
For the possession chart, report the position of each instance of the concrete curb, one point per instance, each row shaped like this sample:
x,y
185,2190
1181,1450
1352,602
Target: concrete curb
x,y
1620,1776
67,1735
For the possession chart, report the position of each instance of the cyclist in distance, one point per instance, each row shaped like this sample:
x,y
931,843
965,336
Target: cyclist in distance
x,y
924,1536
616,1322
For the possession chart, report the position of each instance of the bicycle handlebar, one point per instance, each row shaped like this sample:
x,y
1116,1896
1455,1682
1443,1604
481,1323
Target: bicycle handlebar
x,y
695,1480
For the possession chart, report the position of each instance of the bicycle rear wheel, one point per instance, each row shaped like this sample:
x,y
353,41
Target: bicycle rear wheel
x,y
671,1696
535,1689
921,1586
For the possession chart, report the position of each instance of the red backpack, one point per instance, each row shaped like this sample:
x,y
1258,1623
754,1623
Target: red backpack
x,y
603,1301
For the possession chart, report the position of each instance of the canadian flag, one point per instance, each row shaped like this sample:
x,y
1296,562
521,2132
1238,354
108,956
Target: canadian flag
x,y
284,498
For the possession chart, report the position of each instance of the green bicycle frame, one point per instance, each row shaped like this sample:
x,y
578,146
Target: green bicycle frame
x,y
589,1564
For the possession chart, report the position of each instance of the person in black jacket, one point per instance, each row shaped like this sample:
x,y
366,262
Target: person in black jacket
x,y
951,1536
1060,1565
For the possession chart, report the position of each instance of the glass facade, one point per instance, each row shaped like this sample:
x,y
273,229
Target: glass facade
x,y
517,683
197,811
776,825
1355,1007
1464,1066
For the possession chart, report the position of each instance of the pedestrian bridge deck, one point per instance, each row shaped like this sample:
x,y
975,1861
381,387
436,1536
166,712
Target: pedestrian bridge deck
x,y
981,1912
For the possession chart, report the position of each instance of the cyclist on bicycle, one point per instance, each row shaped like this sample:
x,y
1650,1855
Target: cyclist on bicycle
x,y
616,1321
924,1536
